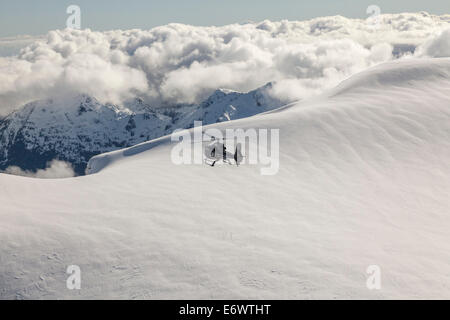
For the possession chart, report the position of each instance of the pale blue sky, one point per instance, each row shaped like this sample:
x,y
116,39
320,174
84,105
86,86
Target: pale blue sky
x,y
19,17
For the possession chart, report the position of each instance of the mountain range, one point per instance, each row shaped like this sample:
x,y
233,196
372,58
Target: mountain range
x,y
74,129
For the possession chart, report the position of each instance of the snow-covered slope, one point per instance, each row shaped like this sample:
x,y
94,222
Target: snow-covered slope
x,y
363,180
75,129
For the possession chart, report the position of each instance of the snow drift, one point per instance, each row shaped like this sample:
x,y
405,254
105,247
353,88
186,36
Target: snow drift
x,y
363,180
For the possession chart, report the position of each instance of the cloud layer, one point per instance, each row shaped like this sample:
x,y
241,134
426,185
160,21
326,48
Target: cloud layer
x,y
56,169
183,64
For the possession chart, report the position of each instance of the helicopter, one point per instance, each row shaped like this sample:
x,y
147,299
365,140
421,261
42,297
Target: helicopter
x,y
216,151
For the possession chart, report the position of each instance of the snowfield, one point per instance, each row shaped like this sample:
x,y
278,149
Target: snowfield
x,y
364,179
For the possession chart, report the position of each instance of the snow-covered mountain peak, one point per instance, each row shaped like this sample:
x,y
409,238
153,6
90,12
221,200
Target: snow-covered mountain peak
x,y
396,74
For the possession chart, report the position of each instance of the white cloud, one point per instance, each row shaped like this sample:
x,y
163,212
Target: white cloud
x,y
10,46
56,169
183,64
